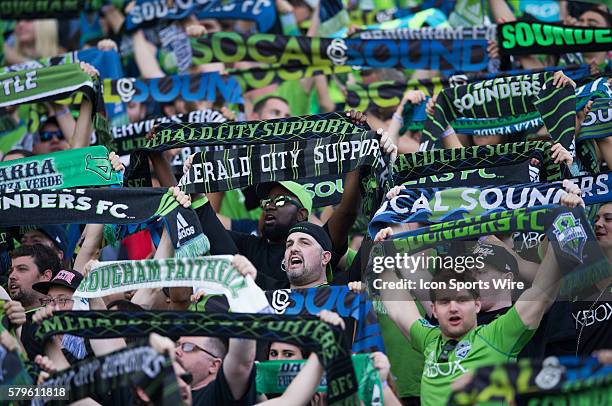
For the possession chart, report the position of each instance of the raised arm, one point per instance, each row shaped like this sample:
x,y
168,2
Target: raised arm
x,y
83,126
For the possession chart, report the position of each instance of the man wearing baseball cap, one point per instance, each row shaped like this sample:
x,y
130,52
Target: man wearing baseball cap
x,y
59,292
60,289
287,203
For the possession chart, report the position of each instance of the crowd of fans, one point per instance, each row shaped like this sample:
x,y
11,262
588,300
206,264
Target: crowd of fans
x,y
434,339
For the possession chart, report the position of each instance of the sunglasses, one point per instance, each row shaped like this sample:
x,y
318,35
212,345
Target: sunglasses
x,y
280,201
448,348
44,136
190,347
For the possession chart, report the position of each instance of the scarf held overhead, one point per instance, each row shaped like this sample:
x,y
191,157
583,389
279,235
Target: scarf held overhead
x,y
214,273
303,331
244,166
81,167
553,380
501,97
229,47
523,38
436,162
172,135
263,13
194,87
106,206
568,230
276,376
432,205
96,377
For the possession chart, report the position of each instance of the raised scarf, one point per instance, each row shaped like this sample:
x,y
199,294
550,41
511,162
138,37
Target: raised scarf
x,y
390,93
107,206
81,167
193,87
431,33
433,205
597,123
276,376
173,135
498,126
228,169
132,137
579,256
216,132
98,376
262,13
228,47
52,83
35,9
524,38
338,299
501,97
213,273
554,380
303,331
427,163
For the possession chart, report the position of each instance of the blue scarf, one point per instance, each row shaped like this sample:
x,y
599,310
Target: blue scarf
x,y
437,205
263,13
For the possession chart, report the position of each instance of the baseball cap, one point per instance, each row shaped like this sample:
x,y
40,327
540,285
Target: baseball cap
x,y
67,278
315,231
496,256
299,191
56,233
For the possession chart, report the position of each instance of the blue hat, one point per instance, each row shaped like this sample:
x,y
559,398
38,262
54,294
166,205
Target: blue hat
x,y
56,233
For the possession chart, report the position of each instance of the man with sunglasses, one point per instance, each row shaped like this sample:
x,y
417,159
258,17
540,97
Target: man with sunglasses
x,y
287,203
49,138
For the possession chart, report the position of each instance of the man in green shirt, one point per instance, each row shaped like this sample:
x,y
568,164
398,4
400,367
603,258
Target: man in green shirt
x,y
459,345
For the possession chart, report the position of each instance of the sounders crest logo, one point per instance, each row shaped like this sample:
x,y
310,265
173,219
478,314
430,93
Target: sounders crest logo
x,y
570,235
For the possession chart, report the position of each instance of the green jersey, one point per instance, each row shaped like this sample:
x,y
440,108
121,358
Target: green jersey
x,y
497,342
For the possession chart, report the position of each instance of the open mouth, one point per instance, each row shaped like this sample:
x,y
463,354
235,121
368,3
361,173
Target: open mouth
x,y
13,288
269,218
454,320
295,260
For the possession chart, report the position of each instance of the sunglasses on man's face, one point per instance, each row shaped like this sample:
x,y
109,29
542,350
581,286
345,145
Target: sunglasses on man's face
x,y
280,201
44,136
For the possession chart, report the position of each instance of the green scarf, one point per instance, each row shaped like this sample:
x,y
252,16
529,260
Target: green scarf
x,y
52,83
303,331
213,273
525,38
275,377
419,164
98,377
581,260
508,96
60,170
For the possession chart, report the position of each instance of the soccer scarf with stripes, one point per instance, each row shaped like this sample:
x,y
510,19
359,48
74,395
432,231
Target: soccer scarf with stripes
x,y
508,96
134,366
304,331
106,206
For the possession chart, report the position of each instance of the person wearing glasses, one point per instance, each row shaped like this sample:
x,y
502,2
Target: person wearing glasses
x,y
58,296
